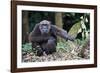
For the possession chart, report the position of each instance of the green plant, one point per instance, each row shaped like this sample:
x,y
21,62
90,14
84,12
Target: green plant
x,y
27,47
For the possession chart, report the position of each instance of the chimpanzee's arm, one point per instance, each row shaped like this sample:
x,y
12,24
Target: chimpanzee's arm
x,y
35,35
62,33
39,39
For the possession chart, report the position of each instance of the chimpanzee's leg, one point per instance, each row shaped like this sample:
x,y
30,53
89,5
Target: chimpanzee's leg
x,y
37,49
50,46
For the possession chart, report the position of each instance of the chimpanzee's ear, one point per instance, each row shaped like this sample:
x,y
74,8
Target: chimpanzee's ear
x,y
50,22
40,25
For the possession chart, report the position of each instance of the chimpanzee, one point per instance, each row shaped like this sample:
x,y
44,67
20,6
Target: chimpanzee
x,y
44,35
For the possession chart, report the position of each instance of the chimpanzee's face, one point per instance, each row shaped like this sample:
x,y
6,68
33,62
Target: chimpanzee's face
x,y
44,28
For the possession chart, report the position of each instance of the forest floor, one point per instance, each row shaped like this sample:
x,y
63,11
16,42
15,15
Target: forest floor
x,y
57,56
73,52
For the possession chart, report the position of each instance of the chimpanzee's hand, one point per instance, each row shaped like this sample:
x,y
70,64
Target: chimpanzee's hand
x,y
71,38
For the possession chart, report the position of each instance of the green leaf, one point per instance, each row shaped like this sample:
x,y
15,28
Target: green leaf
x,y
27,47
75,28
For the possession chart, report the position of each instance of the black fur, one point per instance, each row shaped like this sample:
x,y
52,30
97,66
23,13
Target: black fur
x,y
47,41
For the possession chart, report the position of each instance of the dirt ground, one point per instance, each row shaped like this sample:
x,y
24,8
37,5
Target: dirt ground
x,y
57,56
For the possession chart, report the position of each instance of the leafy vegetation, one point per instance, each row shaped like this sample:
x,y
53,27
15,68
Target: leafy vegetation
x,y
27,47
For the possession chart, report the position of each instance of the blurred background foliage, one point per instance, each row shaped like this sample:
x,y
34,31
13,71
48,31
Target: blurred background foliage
x,y
76,24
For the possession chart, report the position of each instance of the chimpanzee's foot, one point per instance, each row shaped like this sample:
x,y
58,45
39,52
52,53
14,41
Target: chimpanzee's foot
x,y
50,51
39,53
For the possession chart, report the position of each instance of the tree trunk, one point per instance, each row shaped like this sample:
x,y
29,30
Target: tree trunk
x,y
58,22
25,27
